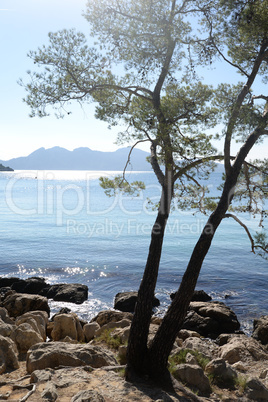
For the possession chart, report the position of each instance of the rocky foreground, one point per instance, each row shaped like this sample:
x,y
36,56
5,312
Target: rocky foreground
x,y
67,359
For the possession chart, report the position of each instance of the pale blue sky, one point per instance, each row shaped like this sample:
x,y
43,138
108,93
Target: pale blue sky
x,y
24,25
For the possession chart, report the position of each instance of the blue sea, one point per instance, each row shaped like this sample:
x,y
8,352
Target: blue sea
x,y
60,225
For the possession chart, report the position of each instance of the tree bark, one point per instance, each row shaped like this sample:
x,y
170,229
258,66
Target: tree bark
x,y
173,320
137,342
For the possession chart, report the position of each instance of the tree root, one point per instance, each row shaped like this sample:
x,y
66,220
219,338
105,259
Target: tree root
x,y
28,394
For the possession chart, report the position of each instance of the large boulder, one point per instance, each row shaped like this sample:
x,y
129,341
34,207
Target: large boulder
x,y
194,377
210,319
111,325
89,395
6,329
222,372
5,317
26,336
256,391
241,348
90,330
37,319
103,317
55,354
66,292
204,346
125,301
198,295
67,325
260,329
32,285
20,303
8,282
8,354
50,392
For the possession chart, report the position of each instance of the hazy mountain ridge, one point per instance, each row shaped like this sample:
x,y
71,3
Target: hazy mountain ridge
x,y
5,168
83,158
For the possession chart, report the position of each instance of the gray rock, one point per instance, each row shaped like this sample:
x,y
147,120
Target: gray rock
x,y
222,372
19,303
204,346
8,354
50,392
194,377
42,375
260,329
125,301
51,355
86,396
256,391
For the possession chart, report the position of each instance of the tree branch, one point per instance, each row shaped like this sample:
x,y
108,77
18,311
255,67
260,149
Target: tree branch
x,y
236,109
193,164
129,155
245,227
155,165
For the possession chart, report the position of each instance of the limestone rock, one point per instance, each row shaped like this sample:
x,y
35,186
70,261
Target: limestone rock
x,y
222,372
242,348
123,334
6,329
5,317
26,336
37,319
194,377
210,319
67,325
204,346
90,330
260,329
8,354
103,317
50,392
125,301
184,334
85,396
190,359
19,303
110,325
41,375
51,355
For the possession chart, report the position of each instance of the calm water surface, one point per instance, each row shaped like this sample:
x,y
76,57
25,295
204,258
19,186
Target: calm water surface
x,y
60,225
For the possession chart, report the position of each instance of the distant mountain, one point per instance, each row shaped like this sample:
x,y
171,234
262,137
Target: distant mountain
x,y
5,169
58,158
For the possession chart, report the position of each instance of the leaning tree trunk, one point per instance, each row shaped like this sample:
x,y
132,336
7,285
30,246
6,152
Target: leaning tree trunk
x,y
137,342
173,320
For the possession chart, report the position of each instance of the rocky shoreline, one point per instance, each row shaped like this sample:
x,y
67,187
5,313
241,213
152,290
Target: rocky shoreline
x,y
64,358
